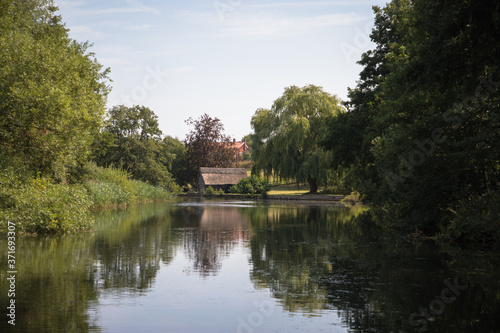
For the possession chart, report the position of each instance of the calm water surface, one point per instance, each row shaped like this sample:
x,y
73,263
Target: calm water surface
x,y
243,266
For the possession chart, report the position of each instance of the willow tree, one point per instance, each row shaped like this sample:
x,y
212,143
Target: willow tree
x,y
286,139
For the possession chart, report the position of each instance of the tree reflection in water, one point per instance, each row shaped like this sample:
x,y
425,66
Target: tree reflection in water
x,y
220,229
312,259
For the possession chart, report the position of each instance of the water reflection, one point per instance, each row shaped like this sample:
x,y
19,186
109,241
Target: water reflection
x,y
220,229
323,265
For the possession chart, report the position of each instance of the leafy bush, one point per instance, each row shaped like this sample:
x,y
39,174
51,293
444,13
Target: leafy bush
x,y
251,185
209,190
475,220
40,206
352,199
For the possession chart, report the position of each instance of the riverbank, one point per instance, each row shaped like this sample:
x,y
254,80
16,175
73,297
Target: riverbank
x,y
38,205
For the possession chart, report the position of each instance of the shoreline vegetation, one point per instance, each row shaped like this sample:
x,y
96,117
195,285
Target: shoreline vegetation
x,y
41,206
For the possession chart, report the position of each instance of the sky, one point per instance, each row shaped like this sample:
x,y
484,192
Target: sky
x,y
226,58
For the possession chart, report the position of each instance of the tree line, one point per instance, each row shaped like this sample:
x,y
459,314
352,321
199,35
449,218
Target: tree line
x,y
61,152
419,136
53,95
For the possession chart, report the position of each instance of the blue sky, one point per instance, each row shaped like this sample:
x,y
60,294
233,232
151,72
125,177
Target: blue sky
x,y
225,58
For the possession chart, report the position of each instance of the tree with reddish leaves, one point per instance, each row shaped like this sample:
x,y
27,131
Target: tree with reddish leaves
x,y
207,146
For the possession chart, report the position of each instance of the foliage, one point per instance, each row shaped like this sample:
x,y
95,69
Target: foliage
x,y
251,185
111,186
423,123
209,191
40,206
207,146
132,141
175,148
352,199
286,138
144,192
52,99
475,220
52,90
247,154
105,194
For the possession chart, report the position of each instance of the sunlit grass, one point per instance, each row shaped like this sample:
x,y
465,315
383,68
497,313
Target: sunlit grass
x,y
289,190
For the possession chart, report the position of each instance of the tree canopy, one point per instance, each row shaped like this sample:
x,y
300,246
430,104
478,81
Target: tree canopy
x,y
132,140
286,139
52,90
424,116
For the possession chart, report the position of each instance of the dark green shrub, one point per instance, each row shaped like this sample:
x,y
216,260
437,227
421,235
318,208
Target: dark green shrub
x,y
251,185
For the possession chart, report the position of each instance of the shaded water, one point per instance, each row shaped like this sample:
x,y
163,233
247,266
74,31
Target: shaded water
x,y
228,266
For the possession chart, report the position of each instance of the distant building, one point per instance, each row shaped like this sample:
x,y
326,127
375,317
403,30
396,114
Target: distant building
x,y
220,178
240,147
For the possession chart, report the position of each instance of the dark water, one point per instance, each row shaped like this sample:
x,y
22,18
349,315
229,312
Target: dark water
x,y
221,266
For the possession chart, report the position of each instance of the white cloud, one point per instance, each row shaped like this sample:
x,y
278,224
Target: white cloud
x,y
182,69
311,4
114,61
140,27
162,53
85,31
292,26
131,9
269,25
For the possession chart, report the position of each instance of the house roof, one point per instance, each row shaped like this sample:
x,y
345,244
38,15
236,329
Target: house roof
x,y
237,144
222,176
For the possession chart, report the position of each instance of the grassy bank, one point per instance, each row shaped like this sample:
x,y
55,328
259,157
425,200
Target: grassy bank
x,y
38,205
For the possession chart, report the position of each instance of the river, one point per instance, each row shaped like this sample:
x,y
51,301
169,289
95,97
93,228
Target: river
x,y
243,267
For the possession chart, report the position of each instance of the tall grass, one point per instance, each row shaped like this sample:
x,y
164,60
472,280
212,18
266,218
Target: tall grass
x,y
113,187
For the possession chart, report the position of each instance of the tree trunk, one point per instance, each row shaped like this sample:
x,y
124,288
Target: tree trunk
x,y
313,185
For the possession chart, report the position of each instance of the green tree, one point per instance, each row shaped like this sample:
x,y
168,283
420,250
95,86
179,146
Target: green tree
x,y
441,148
425,115
207,146
176,151
132,141
52,90
351,135
286,139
